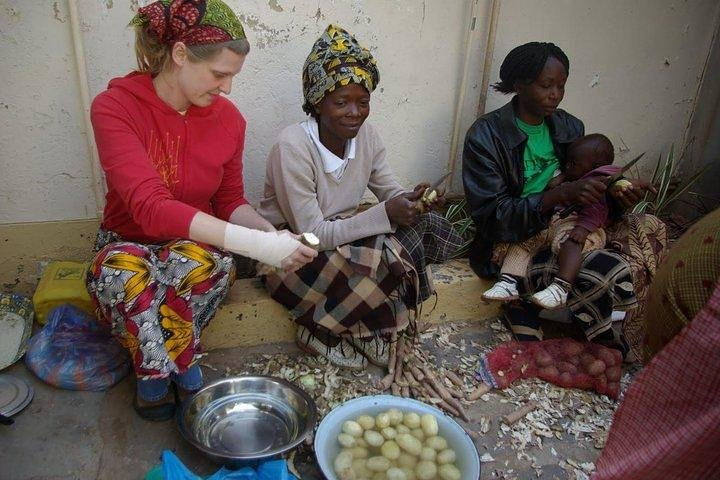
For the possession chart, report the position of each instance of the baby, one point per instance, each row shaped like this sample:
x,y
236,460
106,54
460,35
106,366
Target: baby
x,y
591,155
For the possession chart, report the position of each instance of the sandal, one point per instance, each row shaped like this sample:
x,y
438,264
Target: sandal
x,y
342,355
154,413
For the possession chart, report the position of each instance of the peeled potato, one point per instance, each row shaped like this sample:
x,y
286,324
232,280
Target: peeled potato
x,y
359,466
347,440
428,454
449,472
378,464
446,456
409,443
418,433
425,470
402,429
622,185
343,465
390,450
409,474
389,433
429,425
436,443
382,421
395,473
366,422
405,460
359,452
373,438
396,417
411,420
352,428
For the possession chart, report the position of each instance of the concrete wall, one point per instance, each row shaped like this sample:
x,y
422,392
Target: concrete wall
x,y
634,65
646,57
418,45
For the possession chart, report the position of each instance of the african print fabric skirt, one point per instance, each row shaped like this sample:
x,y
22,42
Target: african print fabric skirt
x,y
369,286
156,299
611,279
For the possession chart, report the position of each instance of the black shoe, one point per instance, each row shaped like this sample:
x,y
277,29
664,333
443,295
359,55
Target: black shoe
x,y
154,413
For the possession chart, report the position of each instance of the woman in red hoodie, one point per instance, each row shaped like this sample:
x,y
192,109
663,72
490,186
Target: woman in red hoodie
x,y
171,148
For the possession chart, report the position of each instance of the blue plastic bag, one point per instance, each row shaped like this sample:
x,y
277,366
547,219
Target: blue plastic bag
x,y
74,352
173,469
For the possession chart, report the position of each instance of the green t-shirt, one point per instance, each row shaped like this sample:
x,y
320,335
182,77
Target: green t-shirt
x,y
539,160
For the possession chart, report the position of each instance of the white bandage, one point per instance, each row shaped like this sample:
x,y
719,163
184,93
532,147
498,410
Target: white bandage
x,y
267,247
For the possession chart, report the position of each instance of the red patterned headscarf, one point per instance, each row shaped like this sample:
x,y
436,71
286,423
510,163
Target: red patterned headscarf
x,y
193,22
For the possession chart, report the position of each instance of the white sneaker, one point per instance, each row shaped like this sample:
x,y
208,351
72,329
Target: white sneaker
x,y
554,296
376,350
342,355
502,291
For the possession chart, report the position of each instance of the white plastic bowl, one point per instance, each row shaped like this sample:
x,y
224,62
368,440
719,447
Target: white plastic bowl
x,y
327,447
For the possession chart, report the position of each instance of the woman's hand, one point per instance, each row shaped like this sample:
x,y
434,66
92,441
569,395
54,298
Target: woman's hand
x,y
629,196
401,210
299,257
418,191
585,191
437,202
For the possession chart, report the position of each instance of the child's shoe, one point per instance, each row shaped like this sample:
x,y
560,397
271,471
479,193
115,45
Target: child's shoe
x,y
553,297
504,290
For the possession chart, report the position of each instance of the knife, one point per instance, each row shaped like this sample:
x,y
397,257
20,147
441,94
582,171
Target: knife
x,y
609,180
439,181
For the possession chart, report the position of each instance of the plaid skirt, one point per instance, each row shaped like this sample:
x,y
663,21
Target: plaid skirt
x,y
369,286
616,278
156,299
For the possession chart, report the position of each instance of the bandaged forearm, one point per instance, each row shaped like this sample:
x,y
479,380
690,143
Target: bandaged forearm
x,y
267,247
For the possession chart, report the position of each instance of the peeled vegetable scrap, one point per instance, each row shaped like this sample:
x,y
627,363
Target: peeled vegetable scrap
x,y
561,361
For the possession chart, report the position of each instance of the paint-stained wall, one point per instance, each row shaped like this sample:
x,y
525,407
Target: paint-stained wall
x,y
634,75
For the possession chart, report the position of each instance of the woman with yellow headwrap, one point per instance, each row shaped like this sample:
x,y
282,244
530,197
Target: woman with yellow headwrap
x,y
171,148
373,264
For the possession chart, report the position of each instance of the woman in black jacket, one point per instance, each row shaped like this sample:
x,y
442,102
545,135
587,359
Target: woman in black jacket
x,y
509,157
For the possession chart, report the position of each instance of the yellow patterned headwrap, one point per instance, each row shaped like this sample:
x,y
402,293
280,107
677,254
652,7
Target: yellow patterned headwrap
x,y
336,60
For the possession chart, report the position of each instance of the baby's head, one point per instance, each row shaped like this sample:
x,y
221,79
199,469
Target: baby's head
x,y
588,153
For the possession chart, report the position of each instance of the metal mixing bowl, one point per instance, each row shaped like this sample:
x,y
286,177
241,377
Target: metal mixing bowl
x,y
241,420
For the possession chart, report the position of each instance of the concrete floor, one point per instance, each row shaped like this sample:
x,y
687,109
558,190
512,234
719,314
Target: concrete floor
x,y
86,435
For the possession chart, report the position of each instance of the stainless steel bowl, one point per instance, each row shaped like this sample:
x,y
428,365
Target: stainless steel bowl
x,y
242,420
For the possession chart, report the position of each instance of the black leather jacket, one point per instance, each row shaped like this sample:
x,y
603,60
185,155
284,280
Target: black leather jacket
x,y
493,179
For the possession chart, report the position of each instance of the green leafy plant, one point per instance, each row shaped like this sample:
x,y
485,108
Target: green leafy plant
x,y
459,215
662,178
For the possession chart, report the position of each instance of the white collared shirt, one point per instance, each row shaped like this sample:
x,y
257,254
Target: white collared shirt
x,y
332,164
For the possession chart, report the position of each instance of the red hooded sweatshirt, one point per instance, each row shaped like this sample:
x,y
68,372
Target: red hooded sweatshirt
x,y
162,167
